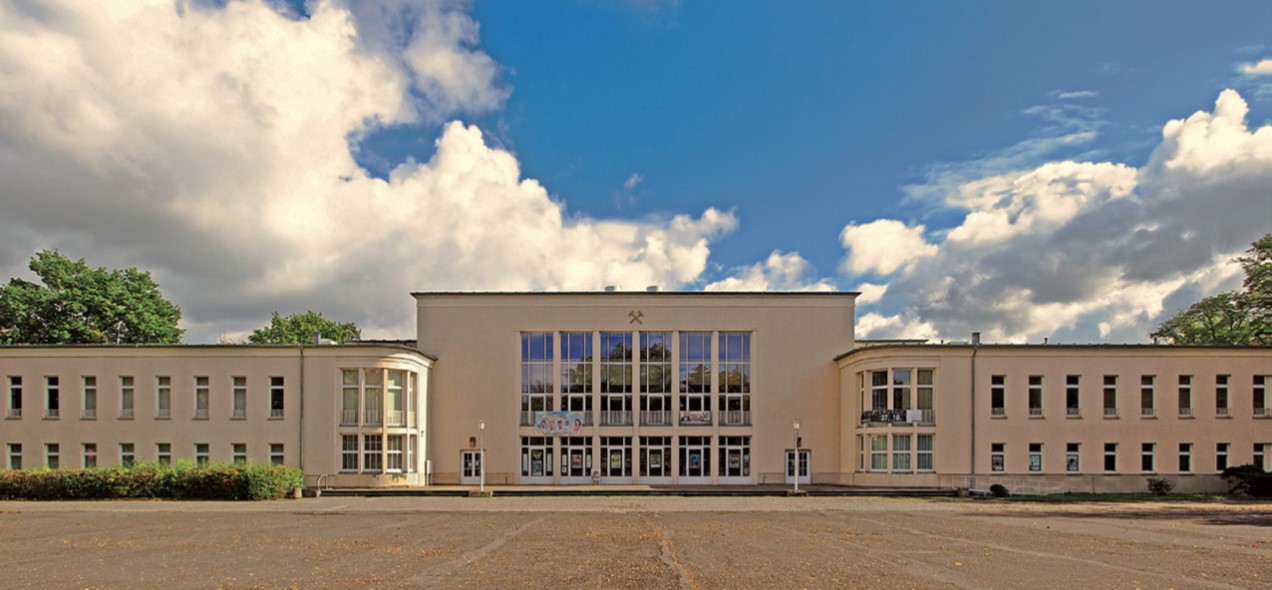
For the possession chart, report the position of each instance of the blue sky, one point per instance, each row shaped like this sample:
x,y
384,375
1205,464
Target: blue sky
x,y
1076,171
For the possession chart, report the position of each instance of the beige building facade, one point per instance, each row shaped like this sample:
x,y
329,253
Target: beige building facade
x,y
651,387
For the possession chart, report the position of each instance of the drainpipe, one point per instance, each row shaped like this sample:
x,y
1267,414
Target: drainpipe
x,y
975,349
301,452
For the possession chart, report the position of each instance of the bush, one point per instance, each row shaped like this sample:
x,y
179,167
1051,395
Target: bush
x,y
999,490
1159,486
183,481
1248,480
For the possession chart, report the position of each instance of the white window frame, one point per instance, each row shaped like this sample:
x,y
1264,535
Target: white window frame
x,y
127,397
163,453
88,397
238,453
88,455
277,454
163,397
238,397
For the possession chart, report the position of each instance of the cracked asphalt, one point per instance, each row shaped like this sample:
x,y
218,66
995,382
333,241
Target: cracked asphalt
x,y
634,542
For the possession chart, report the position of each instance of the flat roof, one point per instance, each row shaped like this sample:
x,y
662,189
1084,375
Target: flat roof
x,y
649,293
910,345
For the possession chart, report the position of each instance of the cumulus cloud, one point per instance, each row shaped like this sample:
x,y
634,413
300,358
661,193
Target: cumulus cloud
x,y
780,272
1053,250
883,246
1075,94
633,181
212,146
1262,67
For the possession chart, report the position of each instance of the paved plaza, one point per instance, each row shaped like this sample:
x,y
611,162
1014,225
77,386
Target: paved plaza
x,y
634,542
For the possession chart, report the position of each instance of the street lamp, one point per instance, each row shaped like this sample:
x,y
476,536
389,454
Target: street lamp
x,y
481,455
796,461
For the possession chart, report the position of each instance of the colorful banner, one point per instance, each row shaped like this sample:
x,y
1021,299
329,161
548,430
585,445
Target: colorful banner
x,y
558,423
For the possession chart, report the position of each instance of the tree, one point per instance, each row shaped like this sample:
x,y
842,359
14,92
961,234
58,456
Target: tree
x,y
81,305
299,328
1232,317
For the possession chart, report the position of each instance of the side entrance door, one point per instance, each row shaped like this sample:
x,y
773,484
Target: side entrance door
x,y
470,465
805,456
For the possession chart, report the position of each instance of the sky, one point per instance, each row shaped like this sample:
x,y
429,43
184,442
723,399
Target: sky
x,y
1074,171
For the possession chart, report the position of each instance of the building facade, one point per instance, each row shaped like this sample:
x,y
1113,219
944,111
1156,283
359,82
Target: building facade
x,y
651,387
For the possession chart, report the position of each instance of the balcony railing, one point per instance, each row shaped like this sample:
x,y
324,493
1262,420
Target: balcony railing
x,y
89,413
15,412
51,413
616,418
695,417
1221,411
198,413
527,418
1110,412
1260,412
1147,412
1035,412
899,416
735,417
1073,411
348,417
1185,411
163,413
655,418
372,417
397,418
998,411
127,414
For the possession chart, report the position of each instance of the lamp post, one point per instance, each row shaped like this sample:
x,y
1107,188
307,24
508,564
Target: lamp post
x,y
481,455
795,464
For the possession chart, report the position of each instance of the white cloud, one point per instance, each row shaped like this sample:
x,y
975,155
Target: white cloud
x,y
211,145
1076,94
883,246
1261,68
870,293
780,272
1081,251
633,181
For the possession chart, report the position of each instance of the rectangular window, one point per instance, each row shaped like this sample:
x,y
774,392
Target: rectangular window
x,y
735,456
1035,395
276,391
126,391
616,456
90,398
900,389
1263,456
1221,456
536,362
924,455
900,452
15,396
1148,406
52,456
1073,457
998,395
163,453
926,394
536,456
372,460
15,456
735,362
576,456
1148,464
349,398
1035,457
576,361
349,453
238,453
52,397
616,362
202,456
656,378
1185,396
277,457
998,456
373,397
394,398
695,362
1110,396
878,390
202,393
1110,457
238,398
1073,395
394,452
163,398
1221,395
1185,457
879,452
127,457
90,455
1260,391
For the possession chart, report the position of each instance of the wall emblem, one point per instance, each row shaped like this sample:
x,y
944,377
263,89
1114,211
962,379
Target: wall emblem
x,y
636,316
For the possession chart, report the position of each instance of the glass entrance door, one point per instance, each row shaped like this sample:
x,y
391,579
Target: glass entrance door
x,y
804,458
470,467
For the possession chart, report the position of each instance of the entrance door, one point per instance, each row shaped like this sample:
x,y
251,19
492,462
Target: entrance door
x,y
470,463
804,457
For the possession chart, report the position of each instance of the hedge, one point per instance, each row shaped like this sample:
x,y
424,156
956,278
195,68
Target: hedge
x,y
182,481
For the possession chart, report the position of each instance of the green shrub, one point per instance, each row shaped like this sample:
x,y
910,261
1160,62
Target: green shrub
x,y
1159,486
1248,480
999,490
181,481
269,482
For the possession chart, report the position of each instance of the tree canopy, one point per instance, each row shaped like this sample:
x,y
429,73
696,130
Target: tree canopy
x,y
299,328
77,304
1233,317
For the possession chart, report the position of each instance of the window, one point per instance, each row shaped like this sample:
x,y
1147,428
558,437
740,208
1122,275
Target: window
x,y
900,452
15,397
348,453
238,398
878,390
126,456
536,362
1073,457
394,453
616,378
1221,395
576,457
372,461
276,391
1110,457
536,456
998,395
90,455
126,397
238,453
926,394
924,455
163,453
52,456
15,456
695,379
879,452
900,389
1035,457
735,378
1185,396
1263,456
373,397
576,361
277,457
395,398
1110,396
1035,395
201,454
997,456
1147,402
163,397
202,392
655,456
1147,462
656,379
1073,395
349,399
1262,386
52,397
90,398
616,456
1185,457
1221,456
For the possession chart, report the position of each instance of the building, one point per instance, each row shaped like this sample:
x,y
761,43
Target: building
x,y
652,387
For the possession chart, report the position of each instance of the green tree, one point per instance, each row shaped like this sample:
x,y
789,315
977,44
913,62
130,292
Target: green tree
x,y
299,328
77,304
1232,317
